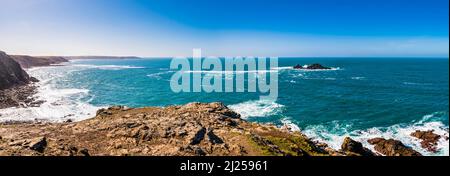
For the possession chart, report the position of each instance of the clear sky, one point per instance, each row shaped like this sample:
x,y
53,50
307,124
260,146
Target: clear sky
x,y
226,27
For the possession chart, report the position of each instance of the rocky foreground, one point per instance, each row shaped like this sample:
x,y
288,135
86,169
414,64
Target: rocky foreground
x,y
195,129
191,130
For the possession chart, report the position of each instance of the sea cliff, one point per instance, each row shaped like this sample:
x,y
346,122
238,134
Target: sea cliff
x,y
11,73
16,86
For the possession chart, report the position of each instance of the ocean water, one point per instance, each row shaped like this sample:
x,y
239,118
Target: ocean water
x,y
361,97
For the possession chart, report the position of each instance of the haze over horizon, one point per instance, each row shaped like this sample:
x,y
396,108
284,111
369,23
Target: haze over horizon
x,y
152,28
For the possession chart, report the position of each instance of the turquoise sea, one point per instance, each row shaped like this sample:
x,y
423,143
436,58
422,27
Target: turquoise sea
x,y
360,97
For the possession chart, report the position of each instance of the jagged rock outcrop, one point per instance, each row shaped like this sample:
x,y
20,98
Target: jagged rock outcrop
x,y
392,147
31,61
15,90
193,129
429,139
19,96
11,74
311,67
354,148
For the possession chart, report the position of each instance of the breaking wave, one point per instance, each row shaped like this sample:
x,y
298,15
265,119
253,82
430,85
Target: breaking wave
x,y
59,104
306,70
257,108
108,67
334,133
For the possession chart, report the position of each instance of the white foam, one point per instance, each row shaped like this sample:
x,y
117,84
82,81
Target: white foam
x,y
413,83
289,125
158,75
108,67
319,78
306,70
60,104
283,68
231,71
257,108
335,136
358,78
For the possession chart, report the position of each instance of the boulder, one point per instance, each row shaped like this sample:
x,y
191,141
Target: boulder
x,y
429,139
351,147
38,144
198,137
213,138
298,66
392,147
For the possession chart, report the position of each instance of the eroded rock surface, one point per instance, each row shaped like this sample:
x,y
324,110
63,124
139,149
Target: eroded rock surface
x,y
392,147
429,139
354,148
193,129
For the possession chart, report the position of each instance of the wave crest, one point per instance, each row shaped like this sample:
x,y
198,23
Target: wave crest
x,y
259,108
333,134
108,67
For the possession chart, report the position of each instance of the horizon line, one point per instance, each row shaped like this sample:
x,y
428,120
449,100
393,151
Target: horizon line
x,y
287,56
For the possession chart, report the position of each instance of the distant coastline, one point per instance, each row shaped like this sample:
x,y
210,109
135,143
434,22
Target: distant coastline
x,y
101,57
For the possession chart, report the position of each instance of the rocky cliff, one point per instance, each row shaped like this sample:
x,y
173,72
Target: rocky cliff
x,y
15,90
11,74
194,129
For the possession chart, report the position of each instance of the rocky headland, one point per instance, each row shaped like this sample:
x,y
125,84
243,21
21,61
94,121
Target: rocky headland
x,y
16,86
41,61
11,73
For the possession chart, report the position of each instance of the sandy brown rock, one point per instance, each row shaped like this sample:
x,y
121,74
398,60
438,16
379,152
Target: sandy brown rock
x,y
392,147
194,129
354,148
19,96
429,139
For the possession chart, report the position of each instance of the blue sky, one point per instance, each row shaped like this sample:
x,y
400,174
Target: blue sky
x,y
226,28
